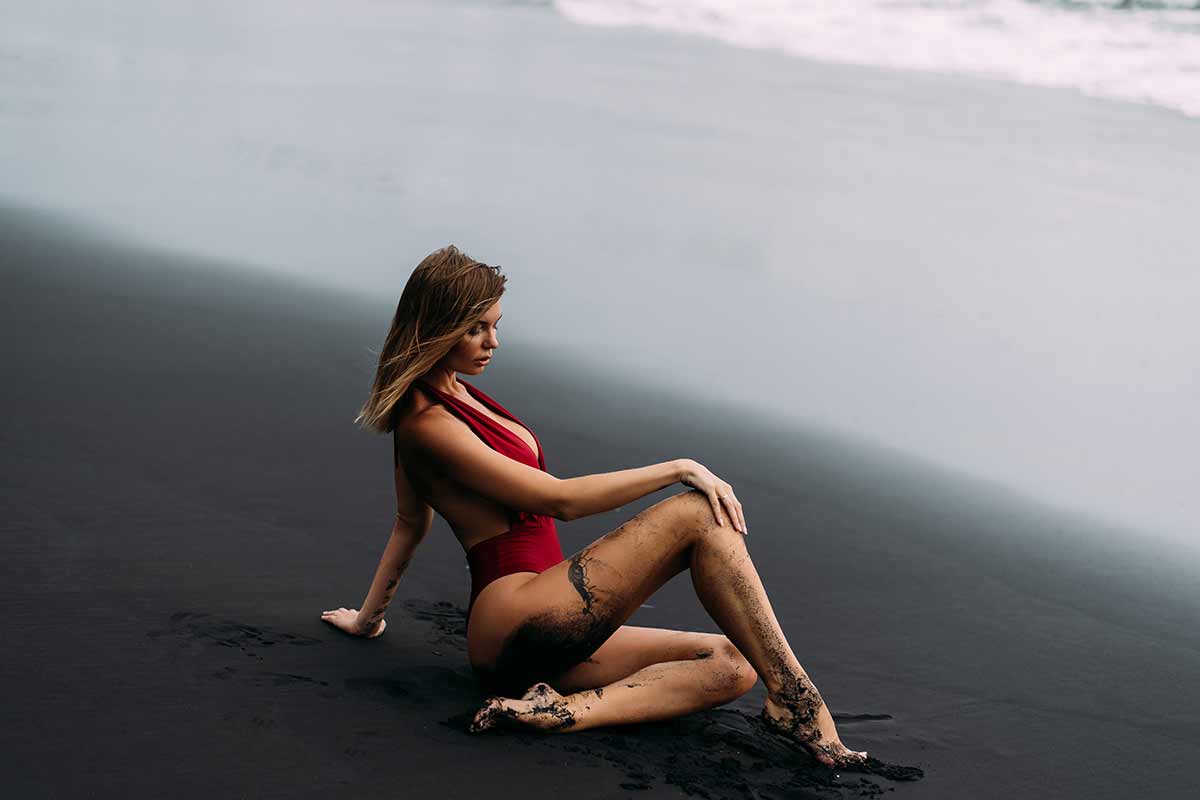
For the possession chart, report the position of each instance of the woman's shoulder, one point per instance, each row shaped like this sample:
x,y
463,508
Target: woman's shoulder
x,y
422,421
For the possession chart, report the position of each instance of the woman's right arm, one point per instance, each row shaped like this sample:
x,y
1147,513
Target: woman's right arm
x,y
593,494
466,459
461,455
596,493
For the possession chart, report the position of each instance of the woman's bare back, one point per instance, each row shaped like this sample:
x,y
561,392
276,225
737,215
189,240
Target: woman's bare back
x,y
472,516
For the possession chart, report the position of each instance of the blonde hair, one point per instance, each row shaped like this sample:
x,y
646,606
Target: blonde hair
x,y
445,295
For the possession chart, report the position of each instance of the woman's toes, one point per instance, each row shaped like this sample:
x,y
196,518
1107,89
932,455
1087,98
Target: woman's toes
x,y
852,758
541,708
487,716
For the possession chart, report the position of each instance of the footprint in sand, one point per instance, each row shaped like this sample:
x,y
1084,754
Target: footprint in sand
x,y
206,638
200,627
852,719
449,621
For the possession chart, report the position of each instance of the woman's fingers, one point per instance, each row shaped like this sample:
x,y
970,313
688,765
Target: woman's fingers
x,y
723,499
339,614
347,620
720,494
741,515
724,508
715,502
735,513
733,506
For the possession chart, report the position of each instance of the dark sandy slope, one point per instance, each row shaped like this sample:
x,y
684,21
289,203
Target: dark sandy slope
x,y
183,492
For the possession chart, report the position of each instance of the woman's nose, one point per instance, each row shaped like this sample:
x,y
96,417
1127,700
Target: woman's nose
x,y
493,342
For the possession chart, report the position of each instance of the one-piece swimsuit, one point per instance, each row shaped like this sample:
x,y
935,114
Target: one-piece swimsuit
x,y
531,542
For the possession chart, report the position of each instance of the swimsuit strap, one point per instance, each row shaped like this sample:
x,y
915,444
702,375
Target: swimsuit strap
x,y
496,436
479,395
474,418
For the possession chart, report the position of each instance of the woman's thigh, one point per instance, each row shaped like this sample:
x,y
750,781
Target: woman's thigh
x,y
562,616
632,648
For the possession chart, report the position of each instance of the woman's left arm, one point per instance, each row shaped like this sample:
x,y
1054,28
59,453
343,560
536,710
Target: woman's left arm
x,y
407,533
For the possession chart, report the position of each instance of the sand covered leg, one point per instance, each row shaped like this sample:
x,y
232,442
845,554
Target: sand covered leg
x,y
575,606
657,692
729,587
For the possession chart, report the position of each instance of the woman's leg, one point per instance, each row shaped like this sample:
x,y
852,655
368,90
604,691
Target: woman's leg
x,y
568,611
638,675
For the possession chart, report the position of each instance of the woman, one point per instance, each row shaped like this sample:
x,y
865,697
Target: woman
x,y
546,634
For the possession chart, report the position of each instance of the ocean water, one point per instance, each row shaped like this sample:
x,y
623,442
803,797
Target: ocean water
x,y
998,279
1138,50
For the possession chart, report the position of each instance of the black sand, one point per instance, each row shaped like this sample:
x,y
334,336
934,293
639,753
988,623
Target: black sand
x,y
184,492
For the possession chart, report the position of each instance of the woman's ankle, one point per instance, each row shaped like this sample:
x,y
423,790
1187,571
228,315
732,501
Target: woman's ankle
x,y
795,703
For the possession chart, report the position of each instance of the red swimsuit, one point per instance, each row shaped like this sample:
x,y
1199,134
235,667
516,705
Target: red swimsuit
x,y
531,542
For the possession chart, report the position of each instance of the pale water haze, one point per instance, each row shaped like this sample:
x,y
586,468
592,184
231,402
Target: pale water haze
x,y
993,277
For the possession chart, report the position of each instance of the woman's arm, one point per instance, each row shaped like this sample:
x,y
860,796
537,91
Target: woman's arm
x,y
368,621
412,522
593,494
406,535
461,455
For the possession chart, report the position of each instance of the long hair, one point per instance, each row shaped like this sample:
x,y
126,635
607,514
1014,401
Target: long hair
x,y
445,295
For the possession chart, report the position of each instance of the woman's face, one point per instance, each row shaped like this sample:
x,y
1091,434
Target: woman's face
x,y
476,344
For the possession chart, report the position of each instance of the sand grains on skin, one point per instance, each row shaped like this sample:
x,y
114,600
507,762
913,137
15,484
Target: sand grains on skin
x,y
541,709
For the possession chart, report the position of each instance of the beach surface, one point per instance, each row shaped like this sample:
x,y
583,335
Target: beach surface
x,y
184,493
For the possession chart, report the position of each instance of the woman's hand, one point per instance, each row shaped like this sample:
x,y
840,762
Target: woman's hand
x,y
720,494
346,619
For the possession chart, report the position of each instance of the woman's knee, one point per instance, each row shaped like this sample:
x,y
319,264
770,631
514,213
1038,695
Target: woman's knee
x,y
744,676
695,521
691,513
732,674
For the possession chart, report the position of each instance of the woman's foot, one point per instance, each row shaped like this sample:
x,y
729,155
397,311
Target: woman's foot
x,y
541,709
798,712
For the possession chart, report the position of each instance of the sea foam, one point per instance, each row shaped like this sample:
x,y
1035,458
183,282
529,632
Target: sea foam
x,y
1145,52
